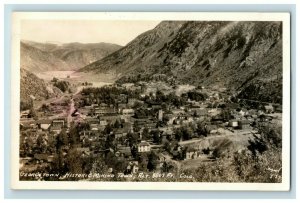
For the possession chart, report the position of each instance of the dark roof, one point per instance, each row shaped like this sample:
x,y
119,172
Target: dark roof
x,y
93,120
211,127
45,121
243,122
55,128
189,149
41,156
28,124
105,111
121,130
58,120
126,151
144,143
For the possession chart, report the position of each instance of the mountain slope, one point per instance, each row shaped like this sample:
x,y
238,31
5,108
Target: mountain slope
x,y
32,87
137,52
51,57
36,60
235,55
78,55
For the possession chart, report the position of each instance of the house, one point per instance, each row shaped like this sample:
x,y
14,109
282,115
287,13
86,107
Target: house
x,y
212,129
218,119
252,113
84,134
105,111
200,112
129,112
24,126
44,124
135,88
121,99
25,160
156,106
120,132
160,115
122,106
95,106
144,147
94,127
56,129
193,106
243,124
110,118
127,85
125,152
278,108
132,101
171,119
269,108
150,125
96,148
128,126
191,154
85,112
162,158
58,123
135,168
145,122
159,77
132,167
91,120
85,151
243,112
24,114
103,105
28,125
41,158
231,105
183,119
103,122
50,159
233,123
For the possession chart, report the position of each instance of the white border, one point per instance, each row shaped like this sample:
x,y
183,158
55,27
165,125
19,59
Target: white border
x,y
209,16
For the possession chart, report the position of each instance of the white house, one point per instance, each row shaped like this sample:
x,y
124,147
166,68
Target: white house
x,y
128,111
45,124
144,147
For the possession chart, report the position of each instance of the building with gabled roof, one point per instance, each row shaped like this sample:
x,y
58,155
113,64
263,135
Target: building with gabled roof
x,y
44,124
144,146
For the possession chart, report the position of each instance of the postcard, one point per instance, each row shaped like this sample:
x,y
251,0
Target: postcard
x,y
150,101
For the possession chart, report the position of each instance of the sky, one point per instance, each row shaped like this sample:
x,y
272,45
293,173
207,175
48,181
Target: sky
x,y
84,31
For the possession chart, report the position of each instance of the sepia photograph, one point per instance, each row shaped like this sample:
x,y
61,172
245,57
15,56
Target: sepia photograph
x,y
164,101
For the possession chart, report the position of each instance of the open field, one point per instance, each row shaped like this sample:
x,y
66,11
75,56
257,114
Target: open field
x,y
78,77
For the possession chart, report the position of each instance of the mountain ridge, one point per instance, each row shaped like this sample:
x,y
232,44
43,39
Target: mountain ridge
x,y
39,57
211,53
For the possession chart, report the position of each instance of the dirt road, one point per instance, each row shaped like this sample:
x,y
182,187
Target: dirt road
x,y
71,110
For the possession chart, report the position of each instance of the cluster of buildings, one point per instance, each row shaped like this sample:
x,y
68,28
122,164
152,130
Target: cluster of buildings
x,y
132,115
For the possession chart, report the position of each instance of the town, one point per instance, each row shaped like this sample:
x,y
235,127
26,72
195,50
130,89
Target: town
x,y
155,126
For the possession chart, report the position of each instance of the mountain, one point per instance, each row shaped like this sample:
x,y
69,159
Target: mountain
x,y
52,57
32,87
237,55
37,60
